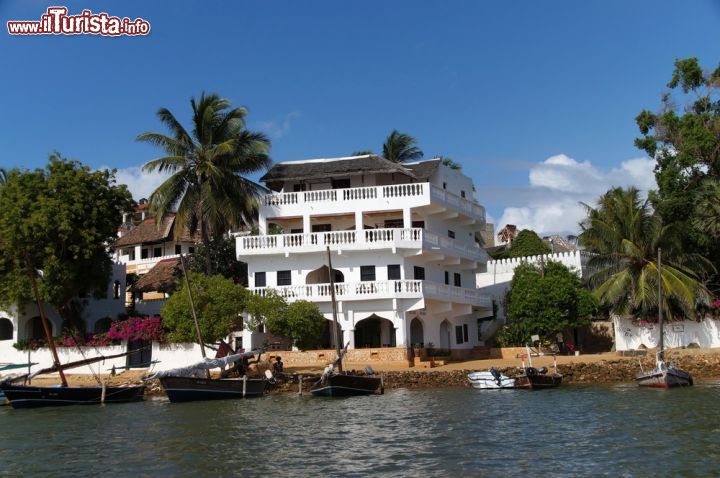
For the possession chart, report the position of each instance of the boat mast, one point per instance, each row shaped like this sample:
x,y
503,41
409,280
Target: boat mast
x,y
661,352
192,307
43,320
334,309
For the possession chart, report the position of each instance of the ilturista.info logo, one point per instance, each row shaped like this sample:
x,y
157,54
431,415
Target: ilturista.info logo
x,y
56,21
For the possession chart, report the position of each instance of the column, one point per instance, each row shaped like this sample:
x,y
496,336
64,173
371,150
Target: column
x,y
138,252
407,218
400,330
306,224
359,227
262,225
349,338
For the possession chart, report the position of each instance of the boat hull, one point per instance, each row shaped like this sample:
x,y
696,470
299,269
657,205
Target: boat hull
x,y
21,396
188,389
346,386
487,381
669,377
538,381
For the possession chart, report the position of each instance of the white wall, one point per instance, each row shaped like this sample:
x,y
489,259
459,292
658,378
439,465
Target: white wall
x,y
630,336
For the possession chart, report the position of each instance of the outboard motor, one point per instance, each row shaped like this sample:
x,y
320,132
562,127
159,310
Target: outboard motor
x,y
531,371
496,375
542,370
369,370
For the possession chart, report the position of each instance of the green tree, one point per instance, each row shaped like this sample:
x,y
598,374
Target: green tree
x,y
624,234
545,300
218,303
300,321
208,184
401,147
221,254
398,148
706,215
62,218
527,243
684,138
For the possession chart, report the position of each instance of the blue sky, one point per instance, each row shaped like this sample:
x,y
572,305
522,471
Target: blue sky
x,y
535,99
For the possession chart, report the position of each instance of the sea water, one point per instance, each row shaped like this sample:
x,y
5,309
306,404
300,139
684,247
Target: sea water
x,y
618,430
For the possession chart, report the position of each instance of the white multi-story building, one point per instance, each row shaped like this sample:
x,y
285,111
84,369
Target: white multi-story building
x,y
403,245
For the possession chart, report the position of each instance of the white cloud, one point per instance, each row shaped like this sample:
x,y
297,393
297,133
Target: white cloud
x,y
140,183
278,128
558,185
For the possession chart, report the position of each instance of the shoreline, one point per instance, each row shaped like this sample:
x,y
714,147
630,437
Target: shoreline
x,y
601,368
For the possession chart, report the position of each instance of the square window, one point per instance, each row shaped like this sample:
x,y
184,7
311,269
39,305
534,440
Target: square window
x,y
447,278
465,333
462,194
284,278
260,280
191,250
367,273
178,249
457,279
458,334
419,273
451,234
394,272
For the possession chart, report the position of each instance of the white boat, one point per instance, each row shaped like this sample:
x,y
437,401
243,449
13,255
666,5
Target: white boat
x,y
490,380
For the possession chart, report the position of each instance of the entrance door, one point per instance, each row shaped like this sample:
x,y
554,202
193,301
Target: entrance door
x,y
141,355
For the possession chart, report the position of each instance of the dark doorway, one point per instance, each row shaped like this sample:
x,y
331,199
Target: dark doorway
x,y
140,353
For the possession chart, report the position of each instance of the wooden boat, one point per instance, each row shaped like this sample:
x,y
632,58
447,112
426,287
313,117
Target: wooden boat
x,y
27,396
664,375
532,378
537,378
490,380
335,383
183,385
344,385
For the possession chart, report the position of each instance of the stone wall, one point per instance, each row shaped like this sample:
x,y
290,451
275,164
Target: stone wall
x,y
320,358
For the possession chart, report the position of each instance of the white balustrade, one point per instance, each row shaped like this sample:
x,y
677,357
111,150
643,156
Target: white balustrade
x,y
378,290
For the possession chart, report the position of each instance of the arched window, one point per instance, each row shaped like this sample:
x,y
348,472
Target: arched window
x,y
116,289
6,329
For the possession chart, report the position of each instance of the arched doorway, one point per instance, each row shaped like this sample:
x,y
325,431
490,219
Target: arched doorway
x,y
445,329
326,339
374,331
6,329
102,325
416,332
321,276
34,329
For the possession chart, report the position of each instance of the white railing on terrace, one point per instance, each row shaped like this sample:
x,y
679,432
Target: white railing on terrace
x,y
392,191
368,238
379,290
125,259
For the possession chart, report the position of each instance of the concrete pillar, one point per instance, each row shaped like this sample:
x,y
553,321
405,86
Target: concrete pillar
x,y
262,225
349,338
401,332
359,227
307,229
138,252
407,218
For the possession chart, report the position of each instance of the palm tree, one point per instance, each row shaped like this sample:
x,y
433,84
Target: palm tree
x,y
623,234
707,209
207,185
3,176
400,147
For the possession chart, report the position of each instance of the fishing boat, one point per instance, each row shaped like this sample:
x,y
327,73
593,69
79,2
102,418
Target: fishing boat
x,y
185,384
531,378
27,396
491,379
334,382
664,375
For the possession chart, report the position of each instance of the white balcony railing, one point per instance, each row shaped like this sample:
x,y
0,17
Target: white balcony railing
x,y
376,197
416,238
392,289
141,266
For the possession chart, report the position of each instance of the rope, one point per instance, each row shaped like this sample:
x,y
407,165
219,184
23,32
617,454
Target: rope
x,y
77,344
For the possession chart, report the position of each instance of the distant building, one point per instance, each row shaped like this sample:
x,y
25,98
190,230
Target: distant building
x,y
506,234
